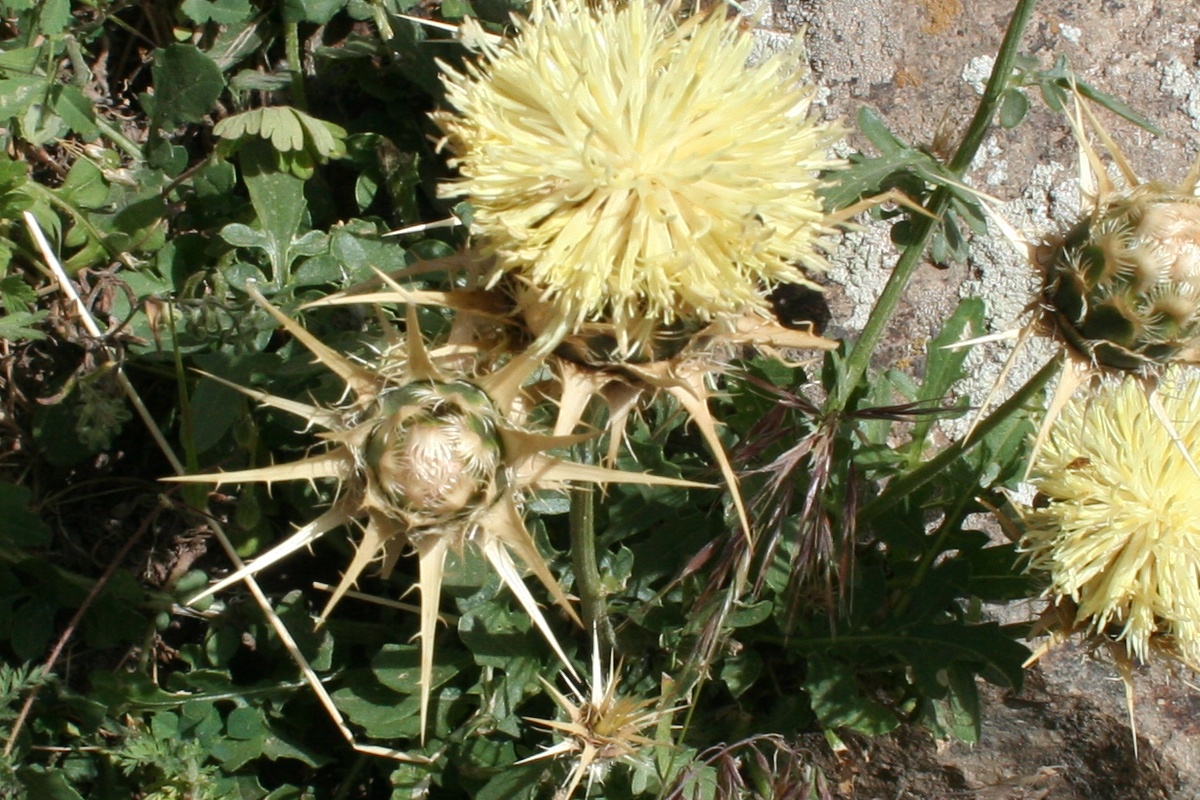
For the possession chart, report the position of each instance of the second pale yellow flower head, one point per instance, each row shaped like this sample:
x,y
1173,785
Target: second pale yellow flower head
x,y
1119,530
633,169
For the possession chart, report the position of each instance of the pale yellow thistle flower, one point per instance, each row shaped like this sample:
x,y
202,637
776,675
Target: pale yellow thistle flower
x,y
633,169
1118,532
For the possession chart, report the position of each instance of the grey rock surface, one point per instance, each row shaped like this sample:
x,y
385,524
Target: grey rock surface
x,y
921,65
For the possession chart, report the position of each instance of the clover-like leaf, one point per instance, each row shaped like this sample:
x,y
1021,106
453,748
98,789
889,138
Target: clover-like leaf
x,y
300,140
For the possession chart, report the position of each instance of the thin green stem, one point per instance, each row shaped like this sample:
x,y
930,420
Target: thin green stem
x,y
949,524
924,227
120,140
905,485
291,33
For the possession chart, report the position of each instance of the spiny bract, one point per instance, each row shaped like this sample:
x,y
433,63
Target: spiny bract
x,y
603,727
631,168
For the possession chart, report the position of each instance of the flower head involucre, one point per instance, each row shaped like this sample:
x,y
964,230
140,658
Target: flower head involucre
x,y
632,168
1120,531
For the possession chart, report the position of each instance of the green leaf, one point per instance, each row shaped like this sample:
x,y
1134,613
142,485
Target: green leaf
x,y
382,713
874,129
318,11
746,616
31,635
741,671
944,364
300,140
224,12
838,703
53,16
46,784
16,294
84,186
1013,108
187,84
456,9
18,94
868,176
996,576
245,723
519,782
76,110
986,648
18,524
278,199
16,326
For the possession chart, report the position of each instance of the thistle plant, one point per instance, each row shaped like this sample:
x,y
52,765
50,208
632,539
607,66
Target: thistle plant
x,y
634,193
432,462
640,188
1121,288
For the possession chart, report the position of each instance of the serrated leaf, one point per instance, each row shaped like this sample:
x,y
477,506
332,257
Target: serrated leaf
x,y
187,84
16,294
868,176
54,16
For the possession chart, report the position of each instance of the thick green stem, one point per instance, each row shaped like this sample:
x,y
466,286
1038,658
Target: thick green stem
x,y
905,485
588,582
924,227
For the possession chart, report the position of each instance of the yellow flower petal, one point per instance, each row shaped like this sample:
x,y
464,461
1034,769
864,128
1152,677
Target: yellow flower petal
x,y
1120,534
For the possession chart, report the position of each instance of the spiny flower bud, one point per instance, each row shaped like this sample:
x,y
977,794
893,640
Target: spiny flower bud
x,y
435,452
428,462
1125,283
